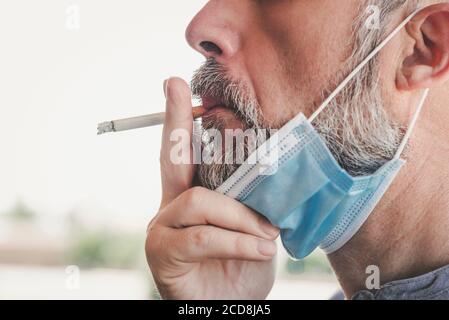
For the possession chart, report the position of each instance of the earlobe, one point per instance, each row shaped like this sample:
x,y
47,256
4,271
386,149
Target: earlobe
x,y
428,65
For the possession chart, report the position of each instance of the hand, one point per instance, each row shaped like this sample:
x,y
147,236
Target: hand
x,y
201,244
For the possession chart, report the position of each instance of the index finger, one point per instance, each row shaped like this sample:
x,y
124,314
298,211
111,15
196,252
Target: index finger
x,y
200,206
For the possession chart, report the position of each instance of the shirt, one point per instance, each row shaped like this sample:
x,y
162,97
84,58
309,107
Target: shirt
x,y
430,286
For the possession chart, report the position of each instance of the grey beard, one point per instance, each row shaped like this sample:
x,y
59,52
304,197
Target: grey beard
x,y
212,175
211,80
357,130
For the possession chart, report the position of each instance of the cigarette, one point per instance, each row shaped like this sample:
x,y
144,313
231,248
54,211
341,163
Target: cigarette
x,y
141,121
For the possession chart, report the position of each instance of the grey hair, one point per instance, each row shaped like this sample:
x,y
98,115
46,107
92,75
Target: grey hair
x,y
211,80
357,129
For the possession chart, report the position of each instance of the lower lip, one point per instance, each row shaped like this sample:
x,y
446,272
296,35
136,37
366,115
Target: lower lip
x,y
226,116
217,110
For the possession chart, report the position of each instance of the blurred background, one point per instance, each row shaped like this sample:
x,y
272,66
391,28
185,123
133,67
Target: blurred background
x,y
74,207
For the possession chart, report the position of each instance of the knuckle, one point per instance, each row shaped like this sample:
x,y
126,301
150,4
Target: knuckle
x,y
150,247
152,243
200,238
240,246
152,223
193,196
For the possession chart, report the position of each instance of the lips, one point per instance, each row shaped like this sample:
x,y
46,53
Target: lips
x,y
220,115
210,103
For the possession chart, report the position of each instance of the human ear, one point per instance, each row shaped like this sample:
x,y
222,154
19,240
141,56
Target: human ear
x,y
428,65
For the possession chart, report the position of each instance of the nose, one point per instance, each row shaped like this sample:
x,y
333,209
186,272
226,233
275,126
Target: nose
x,y
213,32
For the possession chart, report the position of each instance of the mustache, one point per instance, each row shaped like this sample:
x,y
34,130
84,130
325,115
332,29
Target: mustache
x,y
211,80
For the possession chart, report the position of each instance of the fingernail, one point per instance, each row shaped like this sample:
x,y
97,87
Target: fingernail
x,y
267,248
166,88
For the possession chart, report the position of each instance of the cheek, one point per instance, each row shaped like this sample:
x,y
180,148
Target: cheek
x,y
287,77
295,55
270,85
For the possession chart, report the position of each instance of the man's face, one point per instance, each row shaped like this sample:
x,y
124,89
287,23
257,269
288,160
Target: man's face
x,y
284,51
282,57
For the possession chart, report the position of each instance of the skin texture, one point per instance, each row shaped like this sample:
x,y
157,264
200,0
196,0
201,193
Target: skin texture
x,y
201,245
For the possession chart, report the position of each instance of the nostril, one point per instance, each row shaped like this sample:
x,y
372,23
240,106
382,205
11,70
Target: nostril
x,y
211,47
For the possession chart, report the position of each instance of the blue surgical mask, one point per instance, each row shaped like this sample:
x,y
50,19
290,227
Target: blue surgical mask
x,y
297,184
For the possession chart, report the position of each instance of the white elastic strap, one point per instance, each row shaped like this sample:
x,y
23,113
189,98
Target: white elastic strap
x,y
360,66
412,125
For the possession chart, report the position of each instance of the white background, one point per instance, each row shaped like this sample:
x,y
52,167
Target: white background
x,y
56,84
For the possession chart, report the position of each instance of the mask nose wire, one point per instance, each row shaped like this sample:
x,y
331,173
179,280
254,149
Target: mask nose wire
x,y
360,66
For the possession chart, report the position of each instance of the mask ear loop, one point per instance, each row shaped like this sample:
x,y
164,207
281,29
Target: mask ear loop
x,y
360,66
412,125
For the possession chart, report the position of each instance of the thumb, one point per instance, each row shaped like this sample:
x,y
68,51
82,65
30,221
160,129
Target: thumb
x,y
177,169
